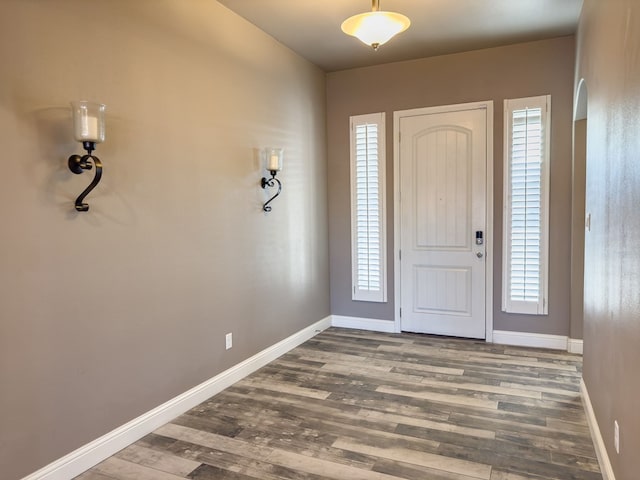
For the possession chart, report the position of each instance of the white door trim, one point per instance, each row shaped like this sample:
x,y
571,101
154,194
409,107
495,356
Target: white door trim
x,y
488,106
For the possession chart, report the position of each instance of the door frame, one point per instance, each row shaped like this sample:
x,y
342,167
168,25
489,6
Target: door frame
x,y
489,253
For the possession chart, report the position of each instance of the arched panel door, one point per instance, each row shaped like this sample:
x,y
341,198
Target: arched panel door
x,y
443,191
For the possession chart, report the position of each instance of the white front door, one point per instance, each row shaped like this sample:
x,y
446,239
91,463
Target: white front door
x,y
443,220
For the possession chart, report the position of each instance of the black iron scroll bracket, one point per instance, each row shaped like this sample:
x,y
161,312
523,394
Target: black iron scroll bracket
x,y
271,182
77,164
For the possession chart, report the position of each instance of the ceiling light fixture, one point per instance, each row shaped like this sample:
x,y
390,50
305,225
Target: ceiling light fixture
x,y
375,27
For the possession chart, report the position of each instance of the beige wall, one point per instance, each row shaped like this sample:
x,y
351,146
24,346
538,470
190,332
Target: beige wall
x,y
527,69
608,58
105,315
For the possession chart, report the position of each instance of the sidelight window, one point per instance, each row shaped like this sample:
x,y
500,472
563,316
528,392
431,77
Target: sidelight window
x,y
368,229
526,205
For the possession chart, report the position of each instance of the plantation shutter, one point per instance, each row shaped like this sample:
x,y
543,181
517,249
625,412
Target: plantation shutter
x,y
526,160
368,232
526,215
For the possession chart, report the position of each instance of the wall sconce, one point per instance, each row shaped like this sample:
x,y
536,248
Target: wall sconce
x,y
88,127
274,165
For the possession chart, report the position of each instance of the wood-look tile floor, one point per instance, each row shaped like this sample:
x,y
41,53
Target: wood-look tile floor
x,y
358,405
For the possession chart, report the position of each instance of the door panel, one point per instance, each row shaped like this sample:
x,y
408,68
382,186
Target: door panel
x,y
442,290
441,189
442,159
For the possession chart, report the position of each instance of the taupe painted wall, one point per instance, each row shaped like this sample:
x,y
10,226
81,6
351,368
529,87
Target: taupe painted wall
x,y
527,69
107,314
608,58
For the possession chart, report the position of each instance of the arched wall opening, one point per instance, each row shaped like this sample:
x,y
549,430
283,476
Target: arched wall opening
x,y
580,220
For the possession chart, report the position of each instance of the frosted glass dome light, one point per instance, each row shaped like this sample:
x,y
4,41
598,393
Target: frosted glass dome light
x,y
376,27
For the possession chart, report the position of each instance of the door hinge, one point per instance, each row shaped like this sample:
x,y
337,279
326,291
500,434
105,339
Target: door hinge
x,y
400,312
399,254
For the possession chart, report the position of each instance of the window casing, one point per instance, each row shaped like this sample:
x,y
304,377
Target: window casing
x,y
527,133
368,226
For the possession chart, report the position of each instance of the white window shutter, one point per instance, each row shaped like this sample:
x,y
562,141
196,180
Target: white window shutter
x,y
368,230
525,259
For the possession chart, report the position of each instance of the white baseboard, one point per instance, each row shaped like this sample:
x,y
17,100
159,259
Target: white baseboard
x,y
539,340
574,346
94,452
598,442
387,326
504,337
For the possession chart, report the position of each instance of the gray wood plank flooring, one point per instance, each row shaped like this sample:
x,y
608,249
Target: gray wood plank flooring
x,y
359,405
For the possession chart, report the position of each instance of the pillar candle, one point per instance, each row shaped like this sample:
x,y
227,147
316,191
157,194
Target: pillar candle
x,y
87,129
274,161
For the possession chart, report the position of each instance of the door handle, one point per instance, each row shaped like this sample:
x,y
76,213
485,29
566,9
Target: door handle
x,y
479,254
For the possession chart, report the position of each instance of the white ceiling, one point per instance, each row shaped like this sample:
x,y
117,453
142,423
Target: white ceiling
x,y
312,27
